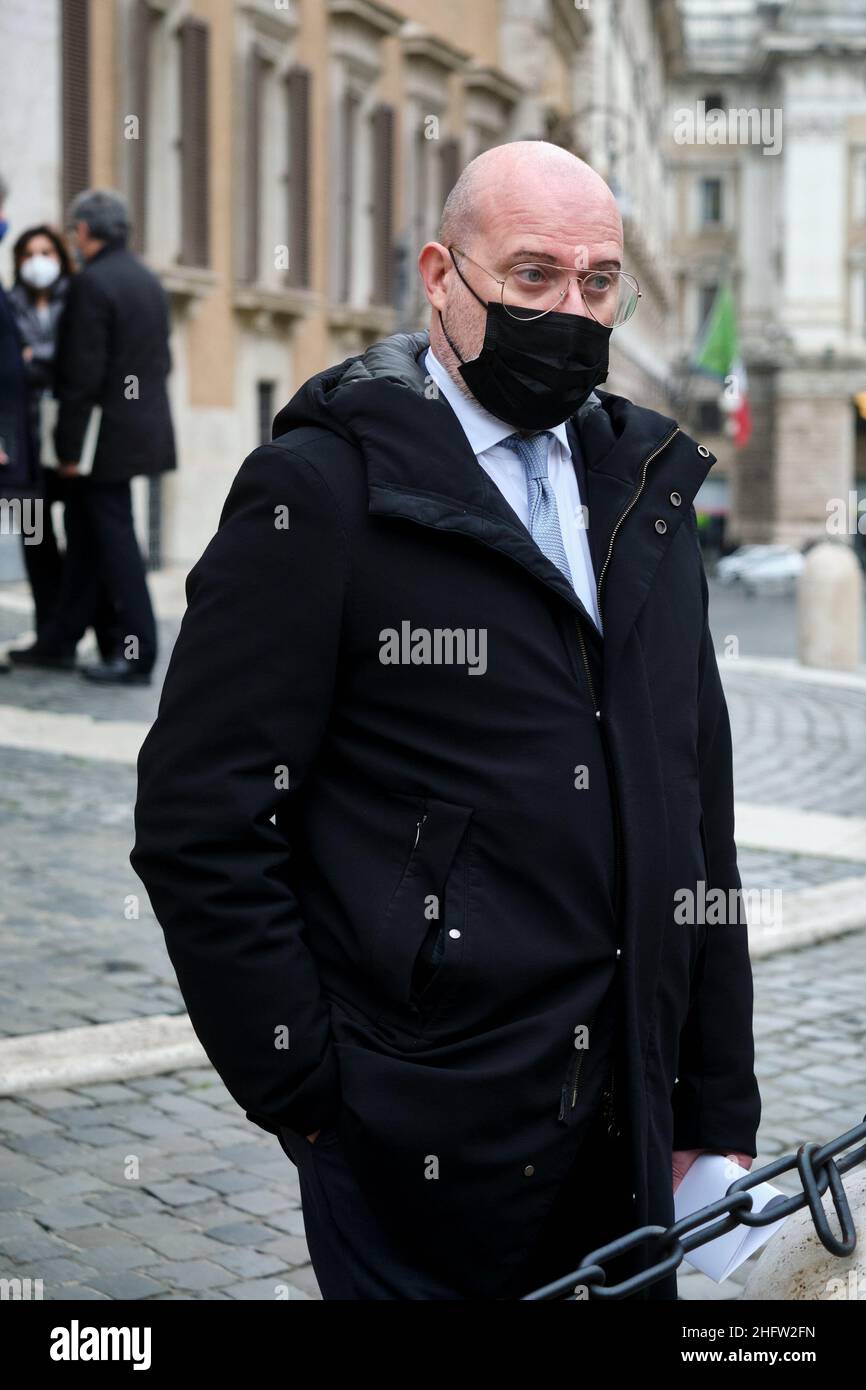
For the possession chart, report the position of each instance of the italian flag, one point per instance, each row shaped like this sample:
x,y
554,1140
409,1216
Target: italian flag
x,y
719,355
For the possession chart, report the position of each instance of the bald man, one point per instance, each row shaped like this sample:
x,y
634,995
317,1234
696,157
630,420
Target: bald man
x,y
437,813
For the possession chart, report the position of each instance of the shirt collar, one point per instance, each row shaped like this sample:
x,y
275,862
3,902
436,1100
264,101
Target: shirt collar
x,y
482,429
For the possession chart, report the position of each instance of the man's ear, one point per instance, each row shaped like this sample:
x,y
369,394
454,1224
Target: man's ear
x,y
434,264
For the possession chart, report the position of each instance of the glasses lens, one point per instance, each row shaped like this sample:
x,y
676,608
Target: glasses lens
x,y
609,296
537,288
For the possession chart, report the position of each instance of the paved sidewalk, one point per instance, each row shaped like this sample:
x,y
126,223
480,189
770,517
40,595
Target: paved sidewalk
x,y
213,1211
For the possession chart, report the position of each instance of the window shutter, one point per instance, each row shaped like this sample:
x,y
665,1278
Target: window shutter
x,y
450,167
383,204
195,248
421,198
139,93
346,211
298,84
253,167
75,99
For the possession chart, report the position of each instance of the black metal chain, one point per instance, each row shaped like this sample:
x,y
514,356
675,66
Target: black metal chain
x,y
817,1169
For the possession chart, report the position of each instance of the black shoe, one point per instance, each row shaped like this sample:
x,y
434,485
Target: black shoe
x,y
117,671
43,657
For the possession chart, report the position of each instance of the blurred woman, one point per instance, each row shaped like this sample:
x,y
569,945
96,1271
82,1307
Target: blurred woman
x,y
42,273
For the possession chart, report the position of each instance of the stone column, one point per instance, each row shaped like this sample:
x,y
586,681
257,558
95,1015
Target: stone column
x,y
752,492
814,448
829,607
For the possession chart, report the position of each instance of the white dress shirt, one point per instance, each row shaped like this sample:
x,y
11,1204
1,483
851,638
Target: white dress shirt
x,y
485,433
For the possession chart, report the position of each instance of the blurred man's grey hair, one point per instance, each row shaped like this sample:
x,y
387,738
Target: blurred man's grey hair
x,y
104,211
4,190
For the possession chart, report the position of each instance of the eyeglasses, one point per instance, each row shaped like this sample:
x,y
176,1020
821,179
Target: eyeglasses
x,y
610,296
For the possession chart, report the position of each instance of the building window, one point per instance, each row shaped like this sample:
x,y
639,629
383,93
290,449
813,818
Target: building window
x,y
137,138
265,391
75,100
298,83
350,128
711,202
277,174
382,210
363,222
425,178
259,126
194,210
154,168
361,156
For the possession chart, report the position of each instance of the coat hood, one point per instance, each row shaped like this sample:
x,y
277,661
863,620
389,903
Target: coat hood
x,y
420,467
373,397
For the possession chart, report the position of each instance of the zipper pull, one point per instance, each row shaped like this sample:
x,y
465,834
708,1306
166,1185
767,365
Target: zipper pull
x,y
418,830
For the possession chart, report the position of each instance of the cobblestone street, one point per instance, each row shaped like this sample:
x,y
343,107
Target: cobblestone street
x,y
214,1210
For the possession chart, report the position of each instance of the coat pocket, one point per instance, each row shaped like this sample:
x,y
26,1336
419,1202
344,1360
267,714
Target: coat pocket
x,y
571,1084
417,938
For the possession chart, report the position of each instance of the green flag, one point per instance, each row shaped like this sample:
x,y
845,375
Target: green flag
x,y
719,348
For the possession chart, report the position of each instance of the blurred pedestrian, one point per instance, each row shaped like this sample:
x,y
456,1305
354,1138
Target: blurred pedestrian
x,y
42,274
17,463
112,364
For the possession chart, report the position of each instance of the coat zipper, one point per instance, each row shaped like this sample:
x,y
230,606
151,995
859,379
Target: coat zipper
x,y
571,1083
646,463
418,825
598,590
572,1088
586,668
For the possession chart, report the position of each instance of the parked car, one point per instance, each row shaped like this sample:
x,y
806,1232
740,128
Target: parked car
x,y
761,568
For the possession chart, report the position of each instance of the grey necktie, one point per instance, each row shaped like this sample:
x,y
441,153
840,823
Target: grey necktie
x,y
543,512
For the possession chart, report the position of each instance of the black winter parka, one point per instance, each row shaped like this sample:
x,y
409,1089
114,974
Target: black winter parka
x,y
393,889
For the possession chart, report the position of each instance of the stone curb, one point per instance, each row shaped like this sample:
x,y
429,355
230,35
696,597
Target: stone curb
x,y
102,1052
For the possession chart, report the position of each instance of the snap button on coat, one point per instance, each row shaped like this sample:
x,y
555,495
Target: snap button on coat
x,y
661,526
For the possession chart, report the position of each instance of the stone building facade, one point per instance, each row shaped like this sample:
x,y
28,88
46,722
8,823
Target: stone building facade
x,y
778,211
286,159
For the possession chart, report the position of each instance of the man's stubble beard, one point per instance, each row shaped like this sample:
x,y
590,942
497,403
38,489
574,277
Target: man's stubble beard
x,y
463,329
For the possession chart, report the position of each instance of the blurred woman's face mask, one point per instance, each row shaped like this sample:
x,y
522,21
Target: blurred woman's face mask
x,y
40,271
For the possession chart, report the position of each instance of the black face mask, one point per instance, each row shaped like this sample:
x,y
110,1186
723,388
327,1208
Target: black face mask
x,y
535,373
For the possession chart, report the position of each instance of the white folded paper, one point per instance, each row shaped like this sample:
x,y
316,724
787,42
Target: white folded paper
x,y
707,1180
48,411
